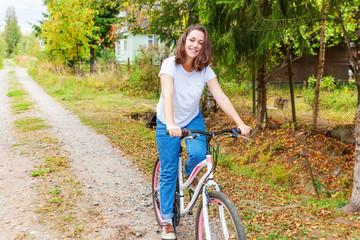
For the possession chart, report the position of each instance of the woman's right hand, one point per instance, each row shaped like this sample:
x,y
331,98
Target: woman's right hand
x,y
174,131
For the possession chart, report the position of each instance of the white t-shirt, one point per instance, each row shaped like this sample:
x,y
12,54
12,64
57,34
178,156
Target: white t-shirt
x,y
188,87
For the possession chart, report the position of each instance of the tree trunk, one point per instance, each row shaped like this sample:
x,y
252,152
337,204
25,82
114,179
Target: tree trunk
x,y
92,59
208,103
291,85
354,204
261,99
253,76
354,60
320,65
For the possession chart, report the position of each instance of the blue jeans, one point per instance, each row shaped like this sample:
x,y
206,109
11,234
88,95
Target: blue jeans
x,y
169,150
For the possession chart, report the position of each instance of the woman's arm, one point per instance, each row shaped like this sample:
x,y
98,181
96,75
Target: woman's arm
x,y
167,91
226,105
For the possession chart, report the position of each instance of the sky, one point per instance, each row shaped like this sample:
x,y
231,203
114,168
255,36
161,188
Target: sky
x,y
26,11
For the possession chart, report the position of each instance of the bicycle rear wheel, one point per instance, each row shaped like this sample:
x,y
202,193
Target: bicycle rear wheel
x,y
155,191
224,220
155,188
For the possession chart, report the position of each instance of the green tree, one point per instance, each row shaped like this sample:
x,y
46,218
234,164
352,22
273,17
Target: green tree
x,y
12,32
167,19
105,19
254,33
69,30
2,46
29,45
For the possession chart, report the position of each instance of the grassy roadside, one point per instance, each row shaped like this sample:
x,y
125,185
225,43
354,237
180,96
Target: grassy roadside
x,y
266,178
58,192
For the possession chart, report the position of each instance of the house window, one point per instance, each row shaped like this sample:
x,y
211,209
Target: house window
x,y
151,40
118,48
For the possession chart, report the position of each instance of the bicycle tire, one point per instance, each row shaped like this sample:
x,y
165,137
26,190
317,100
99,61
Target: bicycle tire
x,y
155,191
156,197
235,226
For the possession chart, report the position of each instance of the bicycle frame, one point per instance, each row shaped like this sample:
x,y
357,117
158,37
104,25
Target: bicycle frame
x,y
209,178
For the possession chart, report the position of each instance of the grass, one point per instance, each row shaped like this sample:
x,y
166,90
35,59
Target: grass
x,y
20,100
266,177
40,172
30,124
17,93
23,106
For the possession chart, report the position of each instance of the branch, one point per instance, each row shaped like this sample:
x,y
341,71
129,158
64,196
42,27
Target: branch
x,y
284,64
286,27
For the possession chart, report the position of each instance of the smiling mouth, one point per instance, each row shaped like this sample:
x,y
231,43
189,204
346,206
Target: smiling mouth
x,y
193,51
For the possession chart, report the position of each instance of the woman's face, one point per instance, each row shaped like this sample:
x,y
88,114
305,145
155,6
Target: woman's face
x,y
194,43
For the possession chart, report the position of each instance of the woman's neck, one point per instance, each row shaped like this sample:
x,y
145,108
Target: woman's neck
x,y
188,65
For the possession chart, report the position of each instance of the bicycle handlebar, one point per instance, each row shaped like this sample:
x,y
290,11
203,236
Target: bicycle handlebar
x,y
186,132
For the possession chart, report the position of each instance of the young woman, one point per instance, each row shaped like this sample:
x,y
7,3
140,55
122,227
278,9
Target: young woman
x,y
182,82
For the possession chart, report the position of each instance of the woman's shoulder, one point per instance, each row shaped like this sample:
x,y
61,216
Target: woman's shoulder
x,y
170,60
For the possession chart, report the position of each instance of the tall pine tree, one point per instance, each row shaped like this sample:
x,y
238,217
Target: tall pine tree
x,y
105,18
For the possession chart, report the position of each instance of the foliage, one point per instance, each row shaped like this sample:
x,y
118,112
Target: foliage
x,y
327,82
143,77
107,54
232,88
1,63
12,32
167,19
340,99
29,45
2,45
105,17
69,30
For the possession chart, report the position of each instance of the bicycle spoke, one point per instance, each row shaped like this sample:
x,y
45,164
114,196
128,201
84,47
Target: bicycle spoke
x,y
224,222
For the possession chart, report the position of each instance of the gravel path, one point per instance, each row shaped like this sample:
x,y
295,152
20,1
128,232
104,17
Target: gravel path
x,y
16,194
113,182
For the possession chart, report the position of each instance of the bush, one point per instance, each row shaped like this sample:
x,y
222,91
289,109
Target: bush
x,y
142,79
232,88
333,97
327,82
1,63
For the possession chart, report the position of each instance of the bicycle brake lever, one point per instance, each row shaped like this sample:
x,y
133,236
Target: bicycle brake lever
x,y
193,136
244,137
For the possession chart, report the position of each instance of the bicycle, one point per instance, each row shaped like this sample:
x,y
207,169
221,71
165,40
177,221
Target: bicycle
x,y
217,217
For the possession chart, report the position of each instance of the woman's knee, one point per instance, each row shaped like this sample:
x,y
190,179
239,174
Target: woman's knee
x,y
197,156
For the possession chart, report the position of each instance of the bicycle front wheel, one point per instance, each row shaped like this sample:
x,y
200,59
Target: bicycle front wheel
x,y
224,220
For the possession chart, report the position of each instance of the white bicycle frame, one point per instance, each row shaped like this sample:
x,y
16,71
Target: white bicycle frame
x,y
208,177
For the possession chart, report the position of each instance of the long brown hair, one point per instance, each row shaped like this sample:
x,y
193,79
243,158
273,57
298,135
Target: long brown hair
x,y
204,58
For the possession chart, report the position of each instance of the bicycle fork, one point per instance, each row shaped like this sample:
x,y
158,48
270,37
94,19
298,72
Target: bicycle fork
x,y
206,201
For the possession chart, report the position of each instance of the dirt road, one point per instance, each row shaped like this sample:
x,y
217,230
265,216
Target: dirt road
x,y
110,184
